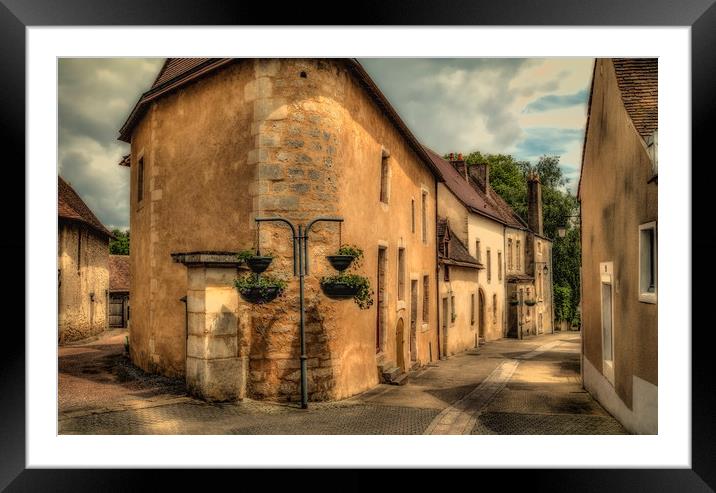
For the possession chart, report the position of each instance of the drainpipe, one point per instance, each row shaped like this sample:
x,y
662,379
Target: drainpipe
x,y
186,329
437,273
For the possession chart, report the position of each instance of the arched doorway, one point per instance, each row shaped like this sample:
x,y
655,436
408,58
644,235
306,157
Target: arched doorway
x,y
481,314
400,345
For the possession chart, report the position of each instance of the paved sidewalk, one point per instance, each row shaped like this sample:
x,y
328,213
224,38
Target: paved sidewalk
x,y
505,387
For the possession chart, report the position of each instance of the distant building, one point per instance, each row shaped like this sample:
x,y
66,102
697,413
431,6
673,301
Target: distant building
x,y
495,269
618,197
118,291
82,268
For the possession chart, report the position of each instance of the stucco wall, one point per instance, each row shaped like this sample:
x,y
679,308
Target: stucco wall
x,y
195,145
491,235
615,199
79,315
472,227
299,139
461,333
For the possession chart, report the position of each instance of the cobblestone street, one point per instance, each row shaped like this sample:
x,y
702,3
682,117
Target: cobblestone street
x,y
505,387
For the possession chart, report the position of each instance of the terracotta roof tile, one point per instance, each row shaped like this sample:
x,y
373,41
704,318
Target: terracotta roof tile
x,y
178,72
638,83
119,273
457,251
470,194
71,206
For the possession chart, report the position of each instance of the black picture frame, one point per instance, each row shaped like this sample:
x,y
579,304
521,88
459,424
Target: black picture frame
x,y
16,15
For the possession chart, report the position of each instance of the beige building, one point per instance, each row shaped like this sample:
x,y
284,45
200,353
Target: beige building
x,y
216,143
82,268
460,315
507,254
618,197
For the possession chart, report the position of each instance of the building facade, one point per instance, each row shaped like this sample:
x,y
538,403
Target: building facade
x,y
511,260
82,268
619,217
119,291
216,143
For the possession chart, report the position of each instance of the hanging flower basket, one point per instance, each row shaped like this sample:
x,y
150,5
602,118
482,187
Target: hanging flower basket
x,y
258,264
340,262
514,302
339,290
255,261
259,289
344,286
530,302
259,295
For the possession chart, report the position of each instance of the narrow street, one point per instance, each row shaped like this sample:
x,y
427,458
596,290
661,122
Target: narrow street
x,y
506,387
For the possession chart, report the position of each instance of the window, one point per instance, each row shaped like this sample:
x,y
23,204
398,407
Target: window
x,y
401,273
453,314
488,257
472,309
140,180
426,298
445,313
539,247
412,215
446,273
384,177
478,254
79,248
647,262
381,312
499,265
494,309
517,251
538,287
424,216
509,254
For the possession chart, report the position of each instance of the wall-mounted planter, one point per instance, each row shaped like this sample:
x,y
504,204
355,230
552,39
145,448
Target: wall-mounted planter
x,y
340,262
530,302
514,302
258,264
260,295
339,290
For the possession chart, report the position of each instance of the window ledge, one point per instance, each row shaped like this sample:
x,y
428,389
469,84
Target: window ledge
x,y
648,298
400,306
425,327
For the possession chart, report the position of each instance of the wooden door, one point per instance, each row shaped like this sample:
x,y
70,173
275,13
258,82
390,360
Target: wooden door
x,y
400,345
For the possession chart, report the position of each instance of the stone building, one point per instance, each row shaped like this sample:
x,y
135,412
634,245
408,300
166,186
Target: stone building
x,y
118,291
499,242
530,304
82,270
618,197
216,143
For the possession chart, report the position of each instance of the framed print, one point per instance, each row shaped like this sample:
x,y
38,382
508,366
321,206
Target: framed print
x,y
346,234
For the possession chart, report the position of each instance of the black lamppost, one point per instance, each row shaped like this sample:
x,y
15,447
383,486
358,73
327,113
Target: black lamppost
x,y
562,230
300,269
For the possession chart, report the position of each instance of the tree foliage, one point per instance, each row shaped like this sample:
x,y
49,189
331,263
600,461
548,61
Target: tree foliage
x,y
120,244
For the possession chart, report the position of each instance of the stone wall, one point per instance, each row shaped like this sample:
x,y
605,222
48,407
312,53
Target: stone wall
x,y
83,283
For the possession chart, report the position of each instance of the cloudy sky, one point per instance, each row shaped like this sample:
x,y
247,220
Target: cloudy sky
x,y
523,107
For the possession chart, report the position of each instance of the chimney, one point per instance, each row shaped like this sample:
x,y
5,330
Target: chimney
x,y
459,164
534,203
481,174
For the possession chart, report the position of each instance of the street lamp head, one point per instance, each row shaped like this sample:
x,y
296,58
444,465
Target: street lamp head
x,y
561,231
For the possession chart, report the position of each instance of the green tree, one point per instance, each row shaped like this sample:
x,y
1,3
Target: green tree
x,y
120,244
